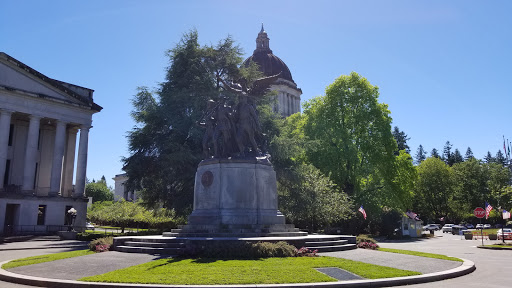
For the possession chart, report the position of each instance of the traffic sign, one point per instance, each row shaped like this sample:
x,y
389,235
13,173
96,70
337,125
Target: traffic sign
x,y
479,212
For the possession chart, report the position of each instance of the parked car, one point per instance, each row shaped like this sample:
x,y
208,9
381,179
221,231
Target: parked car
x,y
470,226
479,226
457,228
447,228
429,227
89,226
507,232
487,226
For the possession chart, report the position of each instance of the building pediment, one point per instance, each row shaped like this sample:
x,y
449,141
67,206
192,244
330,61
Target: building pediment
x,y
16,76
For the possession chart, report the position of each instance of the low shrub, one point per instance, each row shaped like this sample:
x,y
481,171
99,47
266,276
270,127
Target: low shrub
x,y
101,244
365,238
367,245
305,252
240,250
268,249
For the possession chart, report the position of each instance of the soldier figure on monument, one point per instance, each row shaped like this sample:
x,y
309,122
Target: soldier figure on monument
x,y
223,130
208,122
247,120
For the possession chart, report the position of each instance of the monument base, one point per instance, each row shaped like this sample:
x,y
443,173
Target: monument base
x,y
237,196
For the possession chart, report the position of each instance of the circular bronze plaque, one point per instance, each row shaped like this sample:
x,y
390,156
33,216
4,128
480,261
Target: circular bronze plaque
x,y
207,178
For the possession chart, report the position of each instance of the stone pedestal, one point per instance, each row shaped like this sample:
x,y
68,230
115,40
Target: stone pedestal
x,y
235,196
235,192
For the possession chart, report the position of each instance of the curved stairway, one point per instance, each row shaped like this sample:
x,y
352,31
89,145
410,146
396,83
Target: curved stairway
x,y
175,245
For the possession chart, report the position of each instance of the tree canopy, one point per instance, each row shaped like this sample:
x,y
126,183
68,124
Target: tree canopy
x,y
166,144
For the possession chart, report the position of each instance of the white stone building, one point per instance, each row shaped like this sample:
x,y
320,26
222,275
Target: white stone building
x,y
288,95
120,191
40,121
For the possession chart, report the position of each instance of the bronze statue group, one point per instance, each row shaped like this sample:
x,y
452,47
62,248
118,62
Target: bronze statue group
x,y
232,130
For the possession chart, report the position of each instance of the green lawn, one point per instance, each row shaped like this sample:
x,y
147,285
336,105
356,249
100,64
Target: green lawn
x,y
178,271
421,254
45,258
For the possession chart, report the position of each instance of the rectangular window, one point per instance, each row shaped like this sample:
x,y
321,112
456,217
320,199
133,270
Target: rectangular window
x,y
6,175
67,217
41,214
11,133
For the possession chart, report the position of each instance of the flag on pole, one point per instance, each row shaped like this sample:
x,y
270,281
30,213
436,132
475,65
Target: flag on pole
x,y
361,209
411,214
504,146
488,209
506,215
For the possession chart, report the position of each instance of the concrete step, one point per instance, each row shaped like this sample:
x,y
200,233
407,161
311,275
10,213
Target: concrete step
x,y
154,244
149,250
325,243
333,248
234,234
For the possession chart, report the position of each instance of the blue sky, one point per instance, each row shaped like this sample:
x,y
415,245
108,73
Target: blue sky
x,y
443,67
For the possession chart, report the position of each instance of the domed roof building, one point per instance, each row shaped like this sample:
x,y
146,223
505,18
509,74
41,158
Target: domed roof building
x,y
288,95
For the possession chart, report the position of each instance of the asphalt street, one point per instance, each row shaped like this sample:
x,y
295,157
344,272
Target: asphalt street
x,y
33,251
493,267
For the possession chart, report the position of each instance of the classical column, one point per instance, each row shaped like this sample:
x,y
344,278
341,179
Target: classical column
x,y
81,165
5,126
58,155
69,163
29,169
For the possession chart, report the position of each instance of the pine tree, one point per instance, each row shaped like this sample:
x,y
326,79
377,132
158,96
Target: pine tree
x,y
421,155
447,154
488,158
500,158
401,141
435,154
166,143
469,154
457,157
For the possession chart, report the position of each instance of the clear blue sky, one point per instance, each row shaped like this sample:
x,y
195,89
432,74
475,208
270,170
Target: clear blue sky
x,y
443,67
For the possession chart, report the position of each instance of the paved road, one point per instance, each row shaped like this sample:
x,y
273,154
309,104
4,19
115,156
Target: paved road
x,y
493,267
15,254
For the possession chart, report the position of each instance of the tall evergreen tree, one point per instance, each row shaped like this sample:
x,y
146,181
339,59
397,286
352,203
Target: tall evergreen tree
x,y
488,158
469,154
166,143
421,155
447,154
500,158
434,153
401,141
457,157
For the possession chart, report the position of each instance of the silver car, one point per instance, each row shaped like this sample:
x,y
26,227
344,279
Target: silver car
x,y
447,228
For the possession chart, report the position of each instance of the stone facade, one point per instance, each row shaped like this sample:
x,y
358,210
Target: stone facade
x,y
120,191
40,121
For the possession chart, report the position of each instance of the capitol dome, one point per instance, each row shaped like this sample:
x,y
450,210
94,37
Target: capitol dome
x,y
288,95
269,63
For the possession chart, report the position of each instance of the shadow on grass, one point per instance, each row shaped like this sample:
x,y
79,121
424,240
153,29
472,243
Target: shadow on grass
x,y
200,260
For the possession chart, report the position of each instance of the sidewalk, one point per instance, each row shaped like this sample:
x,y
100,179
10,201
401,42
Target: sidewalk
x,y
38,244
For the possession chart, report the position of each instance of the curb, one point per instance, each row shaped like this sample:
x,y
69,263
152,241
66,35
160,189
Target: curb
x,y
45,247
466,268
493,248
